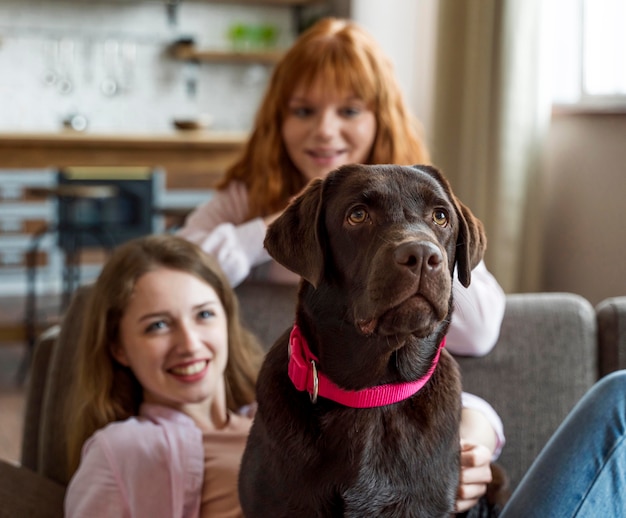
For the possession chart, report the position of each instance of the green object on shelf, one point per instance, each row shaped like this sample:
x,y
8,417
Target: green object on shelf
x,y
252,37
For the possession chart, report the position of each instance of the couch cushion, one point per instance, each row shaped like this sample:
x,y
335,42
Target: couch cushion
x,y
544,361
267,309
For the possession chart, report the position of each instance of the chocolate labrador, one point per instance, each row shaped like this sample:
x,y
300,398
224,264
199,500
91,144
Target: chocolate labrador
x,y
359,404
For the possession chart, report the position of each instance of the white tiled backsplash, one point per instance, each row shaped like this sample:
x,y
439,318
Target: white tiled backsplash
x,y
61,57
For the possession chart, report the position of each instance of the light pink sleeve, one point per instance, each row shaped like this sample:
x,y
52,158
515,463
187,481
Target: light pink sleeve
x,y
220,228
476,403
137,468
95,490
477,315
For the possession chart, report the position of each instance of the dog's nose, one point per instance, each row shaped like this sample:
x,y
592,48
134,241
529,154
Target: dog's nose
x,y
419,254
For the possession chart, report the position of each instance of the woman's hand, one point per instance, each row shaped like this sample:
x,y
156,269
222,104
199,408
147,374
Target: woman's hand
x,y
475,475
478,442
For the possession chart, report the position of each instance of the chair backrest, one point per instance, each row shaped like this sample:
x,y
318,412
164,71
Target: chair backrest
x,y
110,220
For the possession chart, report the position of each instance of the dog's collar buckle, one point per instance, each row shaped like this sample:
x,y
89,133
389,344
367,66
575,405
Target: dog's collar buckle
x,y
305,376
302,366
316,383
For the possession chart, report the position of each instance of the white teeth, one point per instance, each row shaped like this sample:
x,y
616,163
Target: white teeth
x,y
190,369
326,154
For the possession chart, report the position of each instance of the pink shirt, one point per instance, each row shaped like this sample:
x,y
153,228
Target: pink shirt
x,y
149,466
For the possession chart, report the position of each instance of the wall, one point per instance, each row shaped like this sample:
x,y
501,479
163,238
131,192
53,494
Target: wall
x,y
585,221
584,236
412,53
57,56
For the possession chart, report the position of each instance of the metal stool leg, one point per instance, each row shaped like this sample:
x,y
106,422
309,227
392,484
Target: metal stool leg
x,y
70,266
30,316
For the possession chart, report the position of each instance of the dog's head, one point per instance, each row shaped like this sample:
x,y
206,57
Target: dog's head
x,y
385,237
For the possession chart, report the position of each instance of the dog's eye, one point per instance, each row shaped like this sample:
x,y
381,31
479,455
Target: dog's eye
x,y
357,216
440,217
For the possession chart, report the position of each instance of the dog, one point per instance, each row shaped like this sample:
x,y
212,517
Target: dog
x,y
359,404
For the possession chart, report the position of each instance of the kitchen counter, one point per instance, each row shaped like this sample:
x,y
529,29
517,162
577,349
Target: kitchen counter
x,y
185,152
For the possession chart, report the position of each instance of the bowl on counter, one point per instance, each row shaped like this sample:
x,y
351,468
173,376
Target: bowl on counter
x,y
201,122
75,122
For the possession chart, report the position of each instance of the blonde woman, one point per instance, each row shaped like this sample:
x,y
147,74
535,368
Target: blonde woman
x,y
163,370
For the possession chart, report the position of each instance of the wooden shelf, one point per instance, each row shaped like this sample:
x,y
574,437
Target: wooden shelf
x,y
204,155
264,2
188,52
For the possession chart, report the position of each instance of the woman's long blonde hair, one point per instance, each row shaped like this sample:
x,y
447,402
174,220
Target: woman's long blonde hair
x,y
343,56
104,390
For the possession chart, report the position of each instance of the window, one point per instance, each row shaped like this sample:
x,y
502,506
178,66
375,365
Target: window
x,y
589,52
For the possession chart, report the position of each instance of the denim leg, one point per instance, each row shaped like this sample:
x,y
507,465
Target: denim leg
x,y
581,472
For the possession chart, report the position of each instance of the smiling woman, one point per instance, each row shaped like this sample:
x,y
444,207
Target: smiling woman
x,y
164,367
173,337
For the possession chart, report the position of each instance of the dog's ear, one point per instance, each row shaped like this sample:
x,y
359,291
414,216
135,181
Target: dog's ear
x,y
292,239
471,240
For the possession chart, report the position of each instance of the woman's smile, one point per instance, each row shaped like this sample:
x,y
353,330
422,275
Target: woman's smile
x,y
191,371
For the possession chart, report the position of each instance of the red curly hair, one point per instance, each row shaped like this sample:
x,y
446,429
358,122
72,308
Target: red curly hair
x,y
344,57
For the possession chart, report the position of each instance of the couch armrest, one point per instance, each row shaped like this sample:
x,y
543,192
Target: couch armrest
x,y
34,398
52,459
611,316
544,361
25,493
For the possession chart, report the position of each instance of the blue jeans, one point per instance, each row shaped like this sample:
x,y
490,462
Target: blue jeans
x,y
581,472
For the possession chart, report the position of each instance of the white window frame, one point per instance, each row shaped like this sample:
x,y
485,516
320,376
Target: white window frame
x,y
569,47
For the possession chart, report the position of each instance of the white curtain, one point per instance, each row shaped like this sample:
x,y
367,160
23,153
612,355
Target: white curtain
x,y
490,117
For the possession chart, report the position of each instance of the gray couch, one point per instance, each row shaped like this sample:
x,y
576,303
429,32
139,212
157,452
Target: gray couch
x,y
611,314
545,359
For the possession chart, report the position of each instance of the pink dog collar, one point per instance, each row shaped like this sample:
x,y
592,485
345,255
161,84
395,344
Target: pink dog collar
x,y
305,376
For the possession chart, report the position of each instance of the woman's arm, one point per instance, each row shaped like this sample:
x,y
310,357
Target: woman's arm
x,y
94,489
220,228
481,424
137,468
477,315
